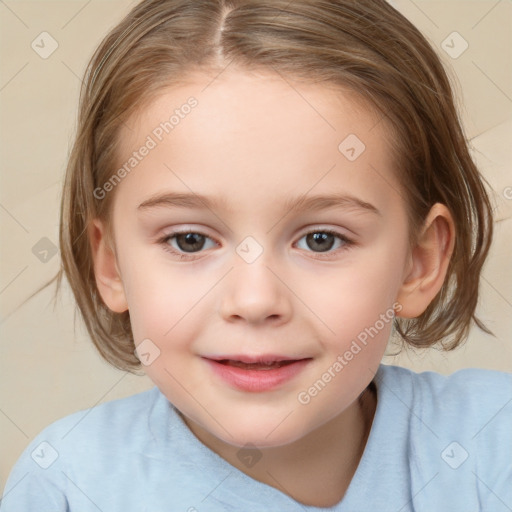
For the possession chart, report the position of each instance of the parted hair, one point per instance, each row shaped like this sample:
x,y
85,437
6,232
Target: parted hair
x,y
365,46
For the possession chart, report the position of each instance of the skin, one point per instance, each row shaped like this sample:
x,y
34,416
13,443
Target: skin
x,y
255,141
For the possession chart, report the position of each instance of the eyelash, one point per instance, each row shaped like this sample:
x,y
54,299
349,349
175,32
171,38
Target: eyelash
x,y
347,243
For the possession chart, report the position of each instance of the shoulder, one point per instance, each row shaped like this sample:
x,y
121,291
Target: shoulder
x,y
104,421
469,400
457,429
470,391
82,442
477,381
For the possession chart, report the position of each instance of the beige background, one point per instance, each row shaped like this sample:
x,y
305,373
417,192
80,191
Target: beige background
x,y
48,369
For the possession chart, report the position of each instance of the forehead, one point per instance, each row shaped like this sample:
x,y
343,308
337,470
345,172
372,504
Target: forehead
x,y
246,129
260,110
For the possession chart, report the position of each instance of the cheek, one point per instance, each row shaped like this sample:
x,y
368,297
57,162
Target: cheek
x,y
353,298
358,311
162,300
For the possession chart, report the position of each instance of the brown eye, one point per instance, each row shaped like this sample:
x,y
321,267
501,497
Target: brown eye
x,y
190,242
320,242
187,244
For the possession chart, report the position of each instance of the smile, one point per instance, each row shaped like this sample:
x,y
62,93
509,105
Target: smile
x,y
256,374
255,366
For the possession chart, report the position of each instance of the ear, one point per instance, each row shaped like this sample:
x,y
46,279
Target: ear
x,y
428,263
108,277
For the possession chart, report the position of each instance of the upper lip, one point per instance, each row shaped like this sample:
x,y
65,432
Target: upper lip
x,y
252,359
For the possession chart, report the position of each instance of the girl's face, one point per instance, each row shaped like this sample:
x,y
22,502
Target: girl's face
x,y
297,252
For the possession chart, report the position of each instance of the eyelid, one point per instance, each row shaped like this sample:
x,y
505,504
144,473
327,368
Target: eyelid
x,y
338,231
348,242
163,240
178,232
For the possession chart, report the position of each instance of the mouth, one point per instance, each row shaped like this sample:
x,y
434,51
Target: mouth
x,y
256,373
268,362
255,366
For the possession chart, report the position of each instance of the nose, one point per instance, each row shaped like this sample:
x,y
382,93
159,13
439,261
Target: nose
x,y
254,293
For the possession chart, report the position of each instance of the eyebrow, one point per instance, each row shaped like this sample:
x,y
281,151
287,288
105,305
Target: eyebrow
x,y
291,205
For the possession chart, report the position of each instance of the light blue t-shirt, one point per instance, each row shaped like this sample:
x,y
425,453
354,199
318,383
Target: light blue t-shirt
x,y
437,444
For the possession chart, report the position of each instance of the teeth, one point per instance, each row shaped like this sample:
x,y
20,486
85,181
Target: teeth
x,y
255,366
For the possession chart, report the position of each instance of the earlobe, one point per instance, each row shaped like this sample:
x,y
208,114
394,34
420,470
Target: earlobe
x,y
429,262
106,271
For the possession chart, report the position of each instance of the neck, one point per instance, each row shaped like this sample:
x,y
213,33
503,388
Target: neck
x,y
317,469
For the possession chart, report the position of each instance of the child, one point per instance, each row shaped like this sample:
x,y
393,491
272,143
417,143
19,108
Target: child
x,y
261,193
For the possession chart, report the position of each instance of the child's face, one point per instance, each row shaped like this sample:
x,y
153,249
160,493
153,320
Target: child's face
x,y
253,145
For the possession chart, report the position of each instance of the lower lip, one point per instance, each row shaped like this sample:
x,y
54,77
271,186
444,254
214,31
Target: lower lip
x,y
257,380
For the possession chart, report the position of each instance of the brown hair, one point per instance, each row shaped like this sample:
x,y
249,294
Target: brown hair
x,y
363,45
